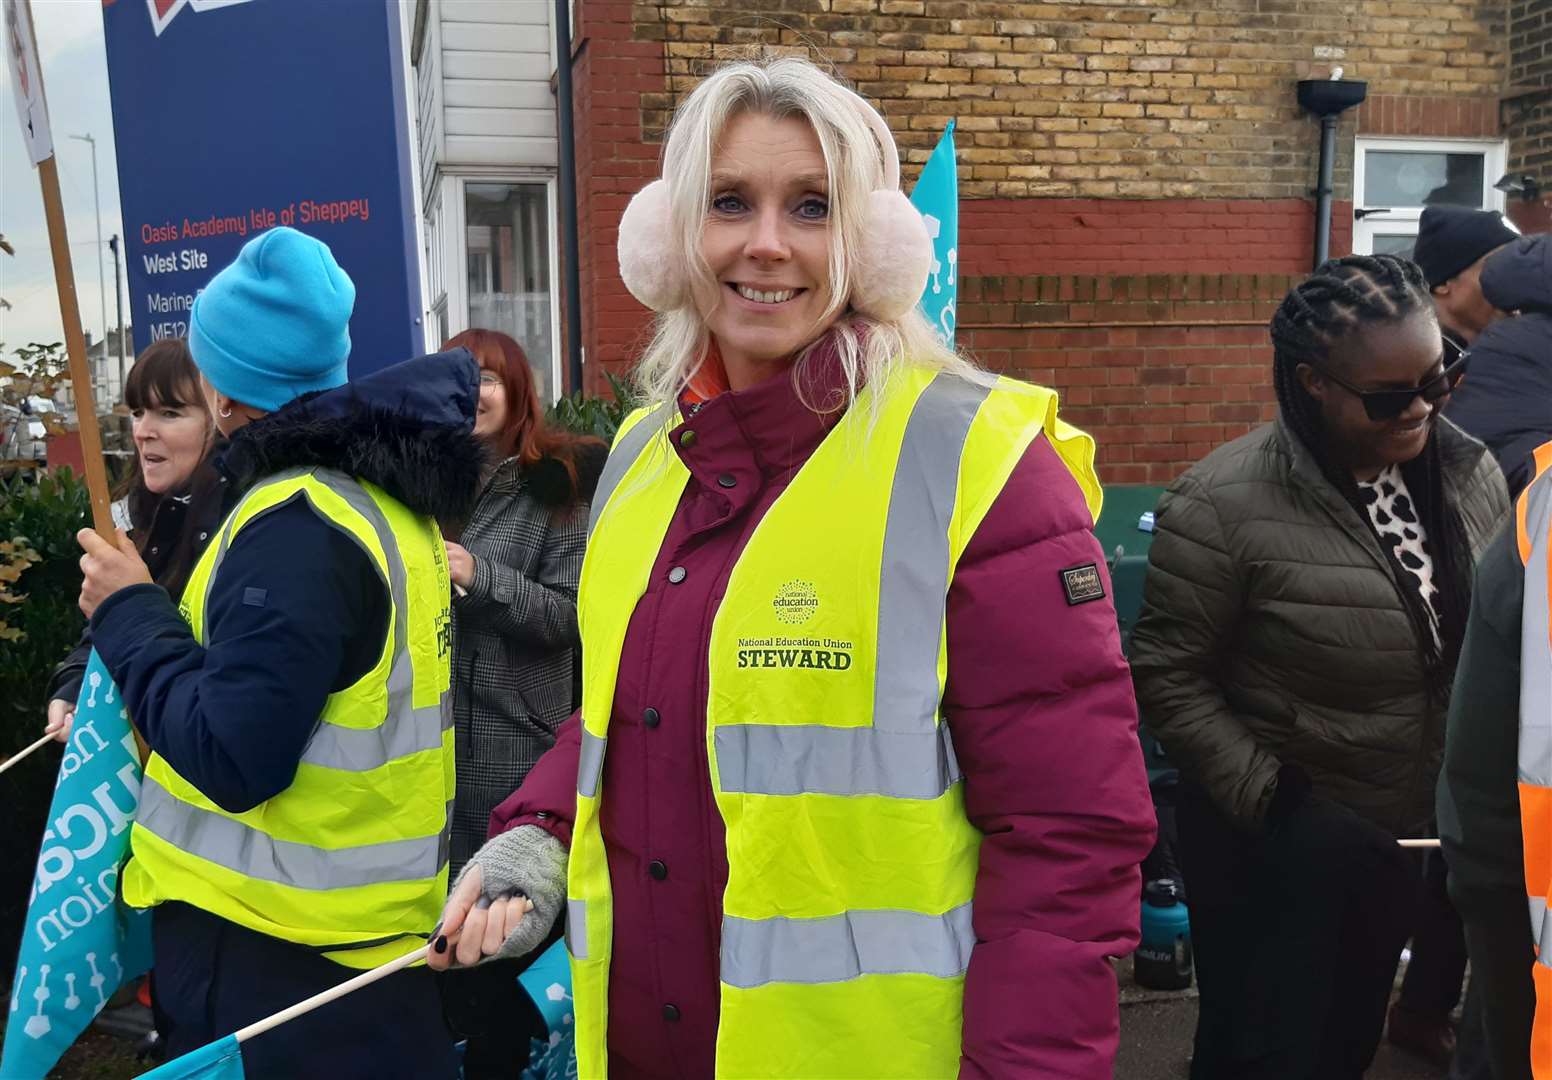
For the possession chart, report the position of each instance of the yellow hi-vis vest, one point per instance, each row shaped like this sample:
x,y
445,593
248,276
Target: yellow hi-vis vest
x,y
351,859
1533,525
846,927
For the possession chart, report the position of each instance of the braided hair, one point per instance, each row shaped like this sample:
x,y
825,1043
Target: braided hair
x,y
1341,298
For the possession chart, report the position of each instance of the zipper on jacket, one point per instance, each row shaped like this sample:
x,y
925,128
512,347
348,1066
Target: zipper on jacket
x,y
1362,538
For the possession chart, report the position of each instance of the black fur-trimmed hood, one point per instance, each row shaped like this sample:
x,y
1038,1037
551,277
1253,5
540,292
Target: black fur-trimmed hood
x,y
408,428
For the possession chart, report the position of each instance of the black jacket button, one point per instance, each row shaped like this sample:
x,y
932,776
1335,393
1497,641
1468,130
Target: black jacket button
x,y
658,869
651,718
670,1013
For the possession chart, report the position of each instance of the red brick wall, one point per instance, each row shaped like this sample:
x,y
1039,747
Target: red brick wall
x,y
1147,314
1429,117
1160,369
1528,112
1143,236
610,72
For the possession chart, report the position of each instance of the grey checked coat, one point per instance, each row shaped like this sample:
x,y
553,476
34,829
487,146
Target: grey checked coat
x,y
515,644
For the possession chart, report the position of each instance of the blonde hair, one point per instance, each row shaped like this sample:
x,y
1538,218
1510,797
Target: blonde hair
x,y
869,350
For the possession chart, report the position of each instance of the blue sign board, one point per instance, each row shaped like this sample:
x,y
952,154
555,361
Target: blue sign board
x,y
234,116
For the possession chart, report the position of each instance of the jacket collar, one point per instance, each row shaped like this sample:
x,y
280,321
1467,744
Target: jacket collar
x,y
1459,455
770,428
1304,471
505,477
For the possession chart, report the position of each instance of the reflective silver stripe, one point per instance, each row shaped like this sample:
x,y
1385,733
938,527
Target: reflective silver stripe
x,y
845,946
913,580
1535,646
1540,924
767,759
906,753
365,749
621,458
232,844
576,928
590,764
405,730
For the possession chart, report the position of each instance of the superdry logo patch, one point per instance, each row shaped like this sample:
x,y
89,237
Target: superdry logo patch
x,y
1082,584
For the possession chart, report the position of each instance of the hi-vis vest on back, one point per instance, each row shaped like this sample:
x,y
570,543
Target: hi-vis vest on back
x,y
351,859
1533,524
846,925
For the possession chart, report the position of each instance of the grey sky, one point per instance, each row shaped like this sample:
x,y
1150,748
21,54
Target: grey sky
x,y
75,78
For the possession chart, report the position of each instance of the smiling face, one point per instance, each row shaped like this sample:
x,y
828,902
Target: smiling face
x,y
767,243
490,421
171,441
1379,356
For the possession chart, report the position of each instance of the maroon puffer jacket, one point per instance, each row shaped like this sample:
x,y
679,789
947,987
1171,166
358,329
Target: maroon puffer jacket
x,y
1044,727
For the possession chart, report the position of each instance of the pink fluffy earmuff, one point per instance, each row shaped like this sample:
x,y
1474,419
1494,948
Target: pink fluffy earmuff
x,y
890,265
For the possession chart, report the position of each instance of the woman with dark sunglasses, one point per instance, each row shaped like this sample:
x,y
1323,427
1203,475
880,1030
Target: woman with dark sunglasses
x,y
1303,612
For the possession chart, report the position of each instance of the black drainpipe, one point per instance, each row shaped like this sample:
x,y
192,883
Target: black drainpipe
x,y
1327,99
568,195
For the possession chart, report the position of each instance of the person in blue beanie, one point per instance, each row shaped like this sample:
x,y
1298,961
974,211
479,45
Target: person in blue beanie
x,y
293,822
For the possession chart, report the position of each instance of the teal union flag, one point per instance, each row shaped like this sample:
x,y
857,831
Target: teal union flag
x,y
220,1060
79,942
937,197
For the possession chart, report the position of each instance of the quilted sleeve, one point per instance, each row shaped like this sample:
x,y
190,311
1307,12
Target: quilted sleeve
x,y
1192,600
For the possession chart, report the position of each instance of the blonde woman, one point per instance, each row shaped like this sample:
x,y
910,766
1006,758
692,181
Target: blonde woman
x,y
854,789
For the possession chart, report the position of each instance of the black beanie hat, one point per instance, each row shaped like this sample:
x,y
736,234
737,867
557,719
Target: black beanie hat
x,y
1450,238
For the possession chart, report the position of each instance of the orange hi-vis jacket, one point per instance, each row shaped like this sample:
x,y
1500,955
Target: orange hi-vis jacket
x,y
1533,524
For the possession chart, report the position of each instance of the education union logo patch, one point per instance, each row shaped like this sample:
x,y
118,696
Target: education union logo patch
x,y
796,602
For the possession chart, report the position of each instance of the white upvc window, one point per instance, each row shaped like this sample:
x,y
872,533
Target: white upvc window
x,y
1394,180
496,231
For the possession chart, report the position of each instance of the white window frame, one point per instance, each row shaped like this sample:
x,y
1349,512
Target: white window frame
x,y
1403,220
455,252
571,11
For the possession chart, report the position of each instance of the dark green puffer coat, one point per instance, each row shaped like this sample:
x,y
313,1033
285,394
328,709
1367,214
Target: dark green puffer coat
x,y
1273,631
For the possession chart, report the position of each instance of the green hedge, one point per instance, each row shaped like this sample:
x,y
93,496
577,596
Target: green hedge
x,y
42,514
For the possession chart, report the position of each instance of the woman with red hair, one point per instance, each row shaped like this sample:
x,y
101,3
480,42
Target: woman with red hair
x,y
514,566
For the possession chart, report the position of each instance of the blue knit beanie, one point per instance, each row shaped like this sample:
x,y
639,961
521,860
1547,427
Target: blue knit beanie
x,y
274,324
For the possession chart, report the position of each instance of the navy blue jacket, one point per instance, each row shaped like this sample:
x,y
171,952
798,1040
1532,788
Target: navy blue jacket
x,y
298,610
1506,398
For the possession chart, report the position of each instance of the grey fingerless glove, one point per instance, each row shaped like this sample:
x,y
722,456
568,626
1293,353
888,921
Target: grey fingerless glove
x,y
530,862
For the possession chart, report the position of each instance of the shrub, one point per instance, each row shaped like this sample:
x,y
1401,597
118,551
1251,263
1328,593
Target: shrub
x,y
39,566
600,417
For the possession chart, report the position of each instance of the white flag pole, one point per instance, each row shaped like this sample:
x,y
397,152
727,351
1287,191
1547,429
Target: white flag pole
x,y
366,978
17,757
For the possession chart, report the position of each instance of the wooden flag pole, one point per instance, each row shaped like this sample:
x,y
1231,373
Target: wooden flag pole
x,y
70,309
75,347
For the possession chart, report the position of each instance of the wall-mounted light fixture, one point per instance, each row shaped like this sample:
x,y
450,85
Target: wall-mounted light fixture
x,y
1523,186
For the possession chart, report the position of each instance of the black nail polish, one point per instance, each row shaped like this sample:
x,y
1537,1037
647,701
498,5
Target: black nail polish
x,y
441,943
